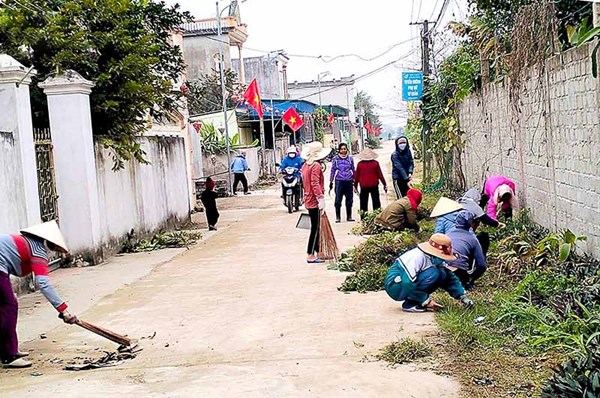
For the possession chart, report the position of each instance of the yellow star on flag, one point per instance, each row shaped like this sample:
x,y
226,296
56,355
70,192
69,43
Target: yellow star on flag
x,y
256,99
293,120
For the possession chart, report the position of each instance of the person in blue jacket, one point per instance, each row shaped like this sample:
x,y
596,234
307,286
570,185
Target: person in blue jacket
x,y
402,167
239,166
419,272
471,263
292,159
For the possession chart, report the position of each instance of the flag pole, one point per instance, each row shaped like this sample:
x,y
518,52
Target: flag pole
x,y
224,94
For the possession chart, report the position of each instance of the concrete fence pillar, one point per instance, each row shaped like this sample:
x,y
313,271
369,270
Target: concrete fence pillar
x,y
19,200
75,163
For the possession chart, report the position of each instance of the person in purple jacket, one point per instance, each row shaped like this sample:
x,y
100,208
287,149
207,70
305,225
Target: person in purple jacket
x,y
342,175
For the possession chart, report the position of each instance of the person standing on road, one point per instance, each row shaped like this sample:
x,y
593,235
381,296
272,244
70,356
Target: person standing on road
x,y
402,167
21,255
368,175
313,182
342,175
209,201
239,167
419,272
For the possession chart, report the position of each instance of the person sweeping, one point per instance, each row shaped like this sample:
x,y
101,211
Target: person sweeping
x,y
21,255
313,182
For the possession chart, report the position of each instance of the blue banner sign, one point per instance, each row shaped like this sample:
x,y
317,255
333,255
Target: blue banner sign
x,y
412,86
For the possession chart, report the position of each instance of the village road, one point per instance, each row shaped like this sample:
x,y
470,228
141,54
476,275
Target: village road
x,y
240,314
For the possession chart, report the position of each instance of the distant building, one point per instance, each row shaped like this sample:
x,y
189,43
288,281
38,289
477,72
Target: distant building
x,y
201,43
332,92
270,72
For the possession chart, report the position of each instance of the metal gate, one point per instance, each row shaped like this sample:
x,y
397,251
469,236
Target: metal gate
x,y
45,173
46,182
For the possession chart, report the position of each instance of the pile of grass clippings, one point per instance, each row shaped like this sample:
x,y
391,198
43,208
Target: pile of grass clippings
x,y
404,351
162,240
367,225
371,260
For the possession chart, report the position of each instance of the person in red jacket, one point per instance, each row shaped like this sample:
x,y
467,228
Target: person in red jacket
x,y
313,182
368,175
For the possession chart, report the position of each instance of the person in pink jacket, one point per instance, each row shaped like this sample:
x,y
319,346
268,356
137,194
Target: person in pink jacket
x,y
500,192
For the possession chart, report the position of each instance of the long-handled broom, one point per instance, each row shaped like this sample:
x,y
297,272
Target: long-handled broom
x,y
125,342
328,245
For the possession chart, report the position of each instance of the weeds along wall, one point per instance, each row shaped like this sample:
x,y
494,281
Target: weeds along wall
x,y
548,142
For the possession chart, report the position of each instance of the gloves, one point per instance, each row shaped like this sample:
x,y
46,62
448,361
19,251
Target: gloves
x,y
322,204
331,185
67,317
466,302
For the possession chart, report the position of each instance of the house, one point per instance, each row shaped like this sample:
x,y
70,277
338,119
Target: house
x,y
270,72
337,92
201,43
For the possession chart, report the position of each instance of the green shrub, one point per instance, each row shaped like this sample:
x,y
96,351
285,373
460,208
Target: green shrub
x,y
367,225
577,378
366,279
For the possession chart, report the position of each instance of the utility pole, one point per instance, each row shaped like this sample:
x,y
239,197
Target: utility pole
x,y
224,94
426,72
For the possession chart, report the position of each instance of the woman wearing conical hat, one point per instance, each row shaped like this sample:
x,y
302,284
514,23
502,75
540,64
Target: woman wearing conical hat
x,y
21,255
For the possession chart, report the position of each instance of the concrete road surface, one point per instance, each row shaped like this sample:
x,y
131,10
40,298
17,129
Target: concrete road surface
x,y
239,315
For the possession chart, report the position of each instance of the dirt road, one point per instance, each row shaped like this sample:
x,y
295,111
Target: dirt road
x,y
241,314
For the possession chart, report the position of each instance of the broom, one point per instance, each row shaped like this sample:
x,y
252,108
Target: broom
x,y
327,243
125,342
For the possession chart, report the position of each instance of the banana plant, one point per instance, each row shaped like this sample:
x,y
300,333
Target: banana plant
x,y
582,35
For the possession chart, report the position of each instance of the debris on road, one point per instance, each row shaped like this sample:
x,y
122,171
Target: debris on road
x,y
36,374
109,360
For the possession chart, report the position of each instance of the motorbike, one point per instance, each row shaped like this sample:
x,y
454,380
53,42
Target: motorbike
x,y
293,196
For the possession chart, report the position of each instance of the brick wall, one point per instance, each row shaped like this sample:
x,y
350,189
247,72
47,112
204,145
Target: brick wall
x,y
549,145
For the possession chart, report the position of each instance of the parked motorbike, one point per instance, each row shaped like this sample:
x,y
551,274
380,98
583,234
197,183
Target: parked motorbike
x,y
293,196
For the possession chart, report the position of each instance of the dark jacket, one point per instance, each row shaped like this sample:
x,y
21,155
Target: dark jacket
x,y
402,161
465,243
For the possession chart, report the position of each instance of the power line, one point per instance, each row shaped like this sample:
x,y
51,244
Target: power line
x,y
433,10
440,16
323,57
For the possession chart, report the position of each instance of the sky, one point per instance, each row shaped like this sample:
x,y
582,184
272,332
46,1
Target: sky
x,y
310,28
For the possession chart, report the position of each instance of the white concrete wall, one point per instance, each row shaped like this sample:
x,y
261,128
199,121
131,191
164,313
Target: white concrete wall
x,y
550,148
143,197
13,214
201,52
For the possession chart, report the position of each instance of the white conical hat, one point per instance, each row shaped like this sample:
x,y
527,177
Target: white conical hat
x,y
445,206
48,231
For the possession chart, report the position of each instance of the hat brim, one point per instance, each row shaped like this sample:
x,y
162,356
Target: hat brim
x,y
369,155
50,232
432,251
322,154
445,206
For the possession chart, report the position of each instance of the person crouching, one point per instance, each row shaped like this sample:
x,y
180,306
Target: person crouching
x,y
419,272
402,213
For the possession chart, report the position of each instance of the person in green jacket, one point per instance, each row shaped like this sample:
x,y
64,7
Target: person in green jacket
x,y
401,214
419,272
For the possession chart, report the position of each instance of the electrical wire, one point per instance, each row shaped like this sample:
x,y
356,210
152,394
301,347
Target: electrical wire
x,y
440,16
325,58
433,10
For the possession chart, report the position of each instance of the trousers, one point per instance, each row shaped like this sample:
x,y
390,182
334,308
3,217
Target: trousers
x,y
364,198
9,310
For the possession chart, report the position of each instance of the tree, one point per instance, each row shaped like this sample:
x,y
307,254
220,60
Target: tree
x,y
123,46
365,102
205,96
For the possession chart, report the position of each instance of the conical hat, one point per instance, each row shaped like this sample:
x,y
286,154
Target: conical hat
x,y
367,154
445,206
48,231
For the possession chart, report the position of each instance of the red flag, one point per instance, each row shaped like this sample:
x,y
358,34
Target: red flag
x,y
330,118
253,97
292,119
368,127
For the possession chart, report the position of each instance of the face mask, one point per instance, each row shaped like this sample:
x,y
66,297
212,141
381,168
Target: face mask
x,y
402,147
292,155
437,261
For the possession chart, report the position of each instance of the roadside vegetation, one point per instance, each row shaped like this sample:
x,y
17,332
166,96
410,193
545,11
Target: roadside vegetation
x,y
535,329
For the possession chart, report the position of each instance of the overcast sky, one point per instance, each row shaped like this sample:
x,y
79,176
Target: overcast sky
x,y
309,28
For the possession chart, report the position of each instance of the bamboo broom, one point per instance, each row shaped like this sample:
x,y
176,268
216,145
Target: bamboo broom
x,y
327,243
